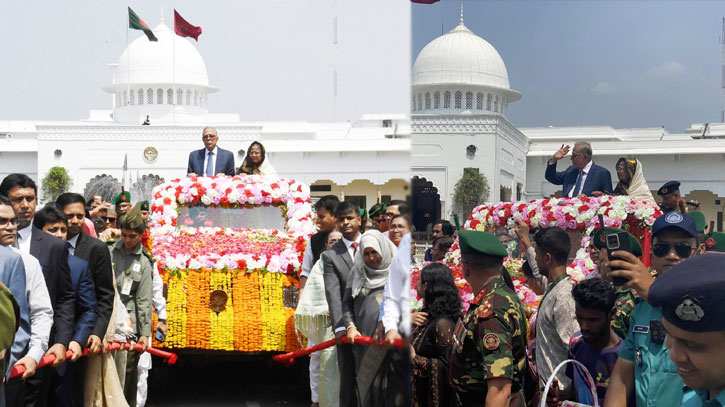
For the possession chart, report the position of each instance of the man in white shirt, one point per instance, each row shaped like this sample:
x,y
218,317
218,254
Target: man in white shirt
x,y
338,262
41,311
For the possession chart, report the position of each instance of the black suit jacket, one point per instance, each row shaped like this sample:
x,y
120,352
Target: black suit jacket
x,y
224,162
53,257
337,265
598,179
98,257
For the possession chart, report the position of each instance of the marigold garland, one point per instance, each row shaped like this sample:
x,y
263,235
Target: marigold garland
x,y
274,317
247,312
176,310
197,305
293,343
221,325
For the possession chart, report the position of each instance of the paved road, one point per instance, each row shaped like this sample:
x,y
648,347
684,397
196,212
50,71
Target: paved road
x,y
228,380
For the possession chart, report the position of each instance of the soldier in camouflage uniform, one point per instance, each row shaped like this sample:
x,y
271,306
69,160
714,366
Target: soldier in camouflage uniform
x,y
488,362
671,201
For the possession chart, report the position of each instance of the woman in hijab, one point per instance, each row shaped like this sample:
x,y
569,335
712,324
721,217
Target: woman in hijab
x,y
256,162
631,181
360,308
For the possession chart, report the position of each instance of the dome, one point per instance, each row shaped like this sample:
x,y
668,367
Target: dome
x,y
152,62
461,57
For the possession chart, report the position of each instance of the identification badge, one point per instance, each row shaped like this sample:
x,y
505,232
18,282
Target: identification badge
x,y
459,333
641,329
136,267
126,289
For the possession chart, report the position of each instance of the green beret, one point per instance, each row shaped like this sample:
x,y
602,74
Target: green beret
x,y
124,196
144,205
474,242
376,209
699,218
715,242
133,219
599,244
9,319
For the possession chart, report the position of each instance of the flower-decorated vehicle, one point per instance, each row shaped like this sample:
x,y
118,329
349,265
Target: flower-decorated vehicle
x,y
229,250
578,217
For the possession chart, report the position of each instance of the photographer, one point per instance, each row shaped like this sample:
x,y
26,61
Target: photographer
x,y
644,367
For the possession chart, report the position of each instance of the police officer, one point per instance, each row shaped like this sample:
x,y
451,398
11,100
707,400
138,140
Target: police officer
x,y
644,367
488,359
627,298
671,201
693,315
132,266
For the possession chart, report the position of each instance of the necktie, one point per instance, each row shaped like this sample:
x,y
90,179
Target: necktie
x,y
209,165
578,185
69,247
354,248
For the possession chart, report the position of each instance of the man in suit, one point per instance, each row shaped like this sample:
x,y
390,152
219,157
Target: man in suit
x,y
12,275
53,257
52,221
210,160
338,262
583,177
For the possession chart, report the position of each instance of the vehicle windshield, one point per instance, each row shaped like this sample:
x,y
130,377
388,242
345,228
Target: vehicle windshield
x,y
256,217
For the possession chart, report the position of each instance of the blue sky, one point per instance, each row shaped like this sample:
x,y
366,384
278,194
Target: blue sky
x,y
619,63
272,59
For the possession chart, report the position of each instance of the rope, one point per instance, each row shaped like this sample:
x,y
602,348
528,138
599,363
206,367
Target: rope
x,y
289,358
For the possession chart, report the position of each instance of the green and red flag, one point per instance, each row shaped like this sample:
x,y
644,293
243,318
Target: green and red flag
x,y
184,29
135,23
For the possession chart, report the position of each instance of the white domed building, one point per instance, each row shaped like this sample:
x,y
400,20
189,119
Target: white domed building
x,y
460,95
160,93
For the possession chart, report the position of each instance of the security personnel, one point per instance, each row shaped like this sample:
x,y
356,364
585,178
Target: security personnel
x,y
671,201
700,221
627,298
693,315
144,210
122,202
133,269
488,361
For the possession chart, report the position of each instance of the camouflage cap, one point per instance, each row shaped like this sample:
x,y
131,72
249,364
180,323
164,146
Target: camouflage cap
x,y
700,220
598,242
133,218
474,242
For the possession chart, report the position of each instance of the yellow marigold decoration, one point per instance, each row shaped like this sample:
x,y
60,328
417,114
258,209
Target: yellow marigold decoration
x,y
247,312
197,304
292,343
176,310
274,317
221,325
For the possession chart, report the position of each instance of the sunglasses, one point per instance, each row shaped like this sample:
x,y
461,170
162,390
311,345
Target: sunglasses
x,y
683,249
109,219
4,222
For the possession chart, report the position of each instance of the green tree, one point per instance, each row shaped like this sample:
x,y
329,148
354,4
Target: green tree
x,y
470,191
55,182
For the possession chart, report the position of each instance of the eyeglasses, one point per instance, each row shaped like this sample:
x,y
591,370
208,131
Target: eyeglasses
x,y
683,249
208,136
109,219
4,222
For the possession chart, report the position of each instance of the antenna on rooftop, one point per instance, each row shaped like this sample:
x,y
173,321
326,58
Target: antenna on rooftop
x,y
722,74
461,12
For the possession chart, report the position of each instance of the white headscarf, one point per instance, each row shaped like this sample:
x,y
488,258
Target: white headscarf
x,y
365,278
638,189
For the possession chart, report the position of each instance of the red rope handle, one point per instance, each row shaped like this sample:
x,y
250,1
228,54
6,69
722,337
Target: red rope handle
x,y
289,358
169,357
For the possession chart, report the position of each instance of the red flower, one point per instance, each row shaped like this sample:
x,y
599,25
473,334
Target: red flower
x,y
583,208
167,201
475,223
242,264
550,217
274,185
265,193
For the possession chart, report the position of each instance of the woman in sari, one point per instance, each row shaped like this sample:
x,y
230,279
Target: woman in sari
x,y
361,307
432,342
256,162
631,181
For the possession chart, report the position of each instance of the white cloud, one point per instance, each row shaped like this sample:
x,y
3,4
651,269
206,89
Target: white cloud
x,y
604,88
669,69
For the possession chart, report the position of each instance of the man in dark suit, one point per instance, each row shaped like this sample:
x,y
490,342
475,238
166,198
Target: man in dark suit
x,y
52,221
583,177
53,257
338,262
210,160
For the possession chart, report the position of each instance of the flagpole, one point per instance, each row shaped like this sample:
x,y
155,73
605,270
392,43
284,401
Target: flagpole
x,y
128,72
173,53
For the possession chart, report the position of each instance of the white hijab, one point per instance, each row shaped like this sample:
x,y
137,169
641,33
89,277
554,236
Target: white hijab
x,y
365,278
638,189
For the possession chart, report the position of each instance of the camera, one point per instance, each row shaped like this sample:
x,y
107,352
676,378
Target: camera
x,y
618,242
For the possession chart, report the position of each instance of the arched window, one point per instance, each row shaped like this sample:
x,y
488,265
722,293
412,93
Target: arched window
x,y
469,100
188,97
459,96
150,96
447,100
169,96
495,104
420,101
159,96
427,100
179,97
488,102
133,98
140,96
437,100
479,101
